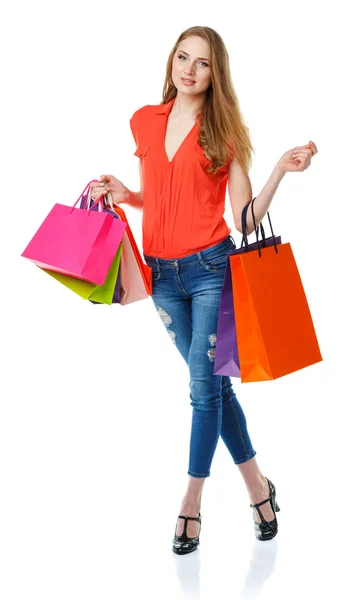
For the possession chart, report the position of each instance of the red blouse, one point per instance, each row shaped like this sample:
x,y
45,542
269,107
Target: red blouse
x,y
183,205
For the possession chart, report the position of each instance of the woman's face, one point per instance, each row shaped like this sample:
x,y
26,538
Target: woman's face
x,y
192,61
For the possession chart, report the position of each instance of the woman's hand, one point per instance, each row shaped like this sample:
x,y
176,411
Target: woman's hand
x,y
109,183
298,158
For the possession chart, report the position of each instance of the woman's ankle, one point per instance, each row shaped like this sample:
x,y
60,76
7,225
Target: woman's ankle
x,y
192,504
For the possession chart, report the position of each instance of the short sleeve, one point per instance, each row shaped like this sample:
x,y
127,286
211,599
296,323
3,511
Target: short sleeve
x,y
134,128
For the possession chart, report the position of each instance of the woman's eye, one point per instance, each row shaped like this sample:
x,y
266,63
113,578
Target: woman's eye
x,y
201,61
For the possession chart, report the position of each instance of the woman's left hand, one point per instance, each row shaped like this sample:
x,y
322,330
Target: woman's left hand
x,y
298,158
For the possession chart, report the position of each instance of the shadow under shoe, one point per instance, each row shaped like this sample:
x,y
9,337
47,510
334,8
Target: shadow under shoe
x,y
183,544
267,530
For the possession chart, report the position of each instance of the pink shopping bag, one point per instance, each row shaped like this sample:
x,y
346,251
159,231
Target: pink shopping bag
x,y
145,271
133,287
77,241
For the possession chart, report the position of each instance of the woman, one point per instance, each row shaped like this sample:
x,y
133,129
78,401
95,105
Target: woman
x,y
191,146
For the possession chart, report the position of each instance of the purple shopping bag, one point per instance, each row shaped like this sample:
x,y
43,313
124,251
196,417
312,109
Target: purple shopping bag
x,y
227,355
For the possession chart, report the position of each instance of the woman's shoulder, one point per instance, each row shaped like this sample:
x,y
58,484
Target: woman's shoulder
x,y
144,112
142,122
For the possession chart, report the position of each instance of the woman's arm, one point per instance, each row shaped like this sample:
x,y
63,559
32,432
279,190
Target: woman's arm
x,y
240,193
135,199
264,198
296,159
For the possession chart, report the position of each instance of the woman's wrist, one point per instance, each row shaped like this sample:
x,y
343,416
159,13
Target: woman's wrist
x,y
279,171
126,193
134,199
122,197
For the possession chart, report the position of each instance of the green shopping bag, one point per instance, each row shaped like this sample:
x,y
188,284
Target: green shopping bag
x,y
102,294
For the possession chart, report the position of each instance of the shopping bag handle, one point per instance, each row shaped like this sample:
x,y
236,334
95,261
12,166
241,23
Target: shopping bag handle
x,y
108,197
244,227
256,230
88,196
244,233
111,204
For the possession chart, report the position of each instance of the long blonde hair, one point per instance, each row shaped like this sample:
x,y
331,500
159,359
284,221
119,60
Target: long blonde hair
x,y
222,125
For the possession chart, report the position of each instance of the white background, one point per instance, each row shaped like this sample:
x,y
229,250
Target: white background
x,y
95,414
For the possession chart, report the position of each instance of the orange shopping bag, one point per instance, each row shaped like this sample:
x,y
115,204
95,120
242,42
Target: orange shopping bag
x,y
274,328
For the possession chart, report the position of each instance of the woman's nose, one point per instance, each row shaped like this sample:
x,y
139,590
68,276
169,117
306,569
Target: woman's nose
x,y
190,71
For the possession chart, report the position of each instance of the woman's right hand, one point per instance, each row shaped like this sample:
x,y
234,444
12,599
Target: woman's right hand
x,y
109,183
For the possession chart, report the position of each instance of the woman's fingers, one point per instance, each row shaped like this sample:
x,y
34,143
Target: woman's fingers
x,y
99,187
98,192
311,147
303,153
303,149
303,160
98,184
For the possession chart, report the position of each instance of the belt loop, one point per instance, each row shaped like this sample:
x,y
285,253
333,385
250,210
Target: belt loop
x,y
200,258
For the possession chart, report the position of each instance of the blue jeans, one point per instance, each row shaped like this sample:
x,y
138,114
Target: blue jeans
x,y
186,294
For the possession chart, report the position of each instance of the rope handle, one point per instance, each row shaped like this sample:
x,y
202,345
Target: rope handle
x,y
88,196
244,227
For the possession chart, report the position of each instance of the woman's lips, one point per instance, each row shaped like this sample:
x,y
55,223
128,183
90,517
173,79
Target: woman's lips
x,y
187,81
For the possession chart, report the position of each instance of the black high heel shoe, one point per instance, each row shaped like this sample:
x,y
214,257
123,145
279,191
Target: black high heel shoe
x,y
181,543
267,530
